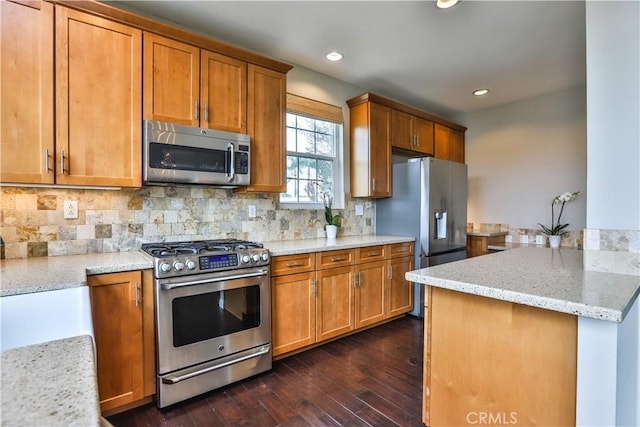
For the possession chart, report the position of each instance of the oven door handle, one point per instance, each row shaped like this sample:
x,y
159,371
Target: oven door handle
x,y
169,286
173,380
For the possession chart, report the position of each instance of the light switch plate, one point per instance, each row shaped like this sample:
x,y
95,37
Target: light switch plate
x,y
539,240
70,209
252,211
359,210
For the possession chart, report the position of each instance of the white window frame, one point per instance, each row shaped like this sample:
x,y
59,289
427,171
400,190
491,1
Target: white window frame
x,y
338,167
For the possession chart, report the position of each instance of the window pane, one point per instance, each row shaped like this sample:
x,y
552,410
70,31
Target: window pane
x,y
292,167
307,168
291,120
307,191
325,127
291,139
324,144
305,142
325,171
291,195
305,123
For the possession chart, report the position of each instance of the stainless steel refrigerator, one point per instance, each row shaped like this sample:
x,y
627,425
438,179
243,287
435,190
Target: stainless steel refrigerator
x,y
429,202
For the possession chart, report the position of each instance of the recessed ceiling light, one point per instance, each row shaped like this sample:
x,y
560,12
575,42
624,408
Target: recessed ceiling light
x,y
446,4
334,56
480,92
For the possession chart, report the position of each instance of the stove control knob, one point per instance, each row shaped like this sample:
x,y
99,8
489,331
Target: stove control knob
x,y
190,264
255,257
265,257
165,268
245,259
178,265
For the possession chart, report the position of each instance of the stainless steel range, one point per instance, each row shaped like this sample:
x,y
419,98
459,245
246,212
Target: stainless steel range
x,y
213,315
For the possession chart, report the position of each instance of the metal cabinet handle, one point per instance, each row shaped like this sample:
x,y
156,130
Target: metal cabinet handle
x,y
206,111
374,254
391,272
46,160
136,294
336,259
417,140
403,250
196,110
294,264
315,287
355,280
359,279
62,162
374,184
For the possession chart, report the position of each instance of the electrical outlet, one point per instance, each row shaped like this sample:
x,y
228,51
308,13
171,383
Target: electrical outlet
x,y
524,238
359,210
252,211
539,240
70,209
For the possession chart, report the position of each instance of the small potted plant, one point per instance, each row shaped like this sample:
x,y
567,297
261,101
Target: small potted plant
x,y
557,229
333,221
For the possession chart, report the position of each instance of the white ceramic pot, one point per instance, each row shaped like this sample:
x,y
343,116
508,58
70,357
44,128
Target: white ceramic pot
x,y
554,241
332,231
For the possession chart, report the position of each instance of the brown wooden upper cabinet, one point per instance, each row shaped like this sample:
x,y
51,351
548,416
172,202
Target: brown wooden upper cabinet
x,y
370,150
98,86
449,143
412,133
186,85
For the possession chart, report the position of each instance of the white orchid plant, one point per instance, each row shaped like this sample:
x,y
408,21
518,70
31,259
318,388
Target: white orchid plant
x,y
327,196
557,228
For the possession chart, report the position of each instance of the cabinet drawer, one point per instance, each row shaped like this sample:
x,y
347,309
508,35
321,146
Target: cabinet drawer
x,y
401,249
290,264
370,253
331,259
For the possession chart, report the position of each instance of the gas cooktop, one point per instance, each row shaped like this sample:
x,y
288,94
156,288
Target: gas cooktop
x,y
203,256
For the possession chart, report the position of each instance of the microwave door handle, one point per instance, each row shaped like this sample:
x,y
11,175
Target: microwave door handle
x,y
231,172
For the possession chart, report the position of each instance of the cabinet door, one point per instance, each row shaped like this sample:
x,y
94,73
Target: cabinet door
x,y
403,136
223,93
98,92
26,110
370,295
423,130
171,81
293,312
456,146
399,290
441,142
266,123
334,303
116,309
380,151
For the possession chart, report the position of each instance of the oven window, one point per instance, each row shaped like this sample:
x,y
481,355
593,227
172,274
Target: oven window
x,y
205,316
168,156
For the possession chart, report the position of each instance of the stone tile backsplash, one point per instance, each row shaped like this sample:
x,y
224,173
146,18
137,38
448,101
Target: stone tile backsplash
x,y
32,223
612,251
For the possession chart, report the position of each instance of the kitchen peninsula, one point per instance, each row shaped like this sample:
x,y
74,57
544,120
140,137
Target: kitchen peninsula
x,y
529,337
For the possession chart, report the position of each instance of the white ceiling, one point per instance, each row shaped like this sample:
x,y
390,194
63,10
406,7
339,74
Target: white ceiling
x,y
409,51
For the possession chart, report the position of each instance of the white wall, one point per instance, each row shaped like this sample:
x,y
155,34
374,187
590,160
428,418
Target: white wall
x,y
521,155
613,111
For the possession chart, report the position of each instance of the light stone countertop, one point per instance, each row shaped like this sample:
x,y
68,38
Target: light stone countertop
x,y
292,247
553,279
29,275
487,233
50,384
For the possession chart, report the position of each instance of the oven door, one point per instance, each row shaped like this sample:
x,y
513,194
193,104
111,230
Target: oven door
x,y
209,316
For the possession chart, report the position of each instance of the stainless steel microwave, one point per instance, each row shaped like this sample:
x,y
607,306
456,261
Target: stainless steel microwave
x,y
189,155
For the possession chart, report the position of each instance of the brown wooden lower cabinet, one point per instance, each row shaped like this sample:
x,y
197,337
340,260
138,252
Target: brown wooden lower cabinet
x,y
325,295
505,362
122,312
479,245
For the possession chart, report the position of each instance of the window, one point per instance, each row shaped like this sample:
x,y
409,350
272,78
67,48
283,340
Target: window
x,y
314,147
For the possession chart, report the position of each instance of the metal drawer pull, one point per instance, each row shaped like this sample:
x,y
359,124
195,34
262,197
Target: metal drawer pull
x,y
402,250
169,286
137,297
173,380
46,160
294,264
62,162
206,111
196,110
374,254
338,259
315,287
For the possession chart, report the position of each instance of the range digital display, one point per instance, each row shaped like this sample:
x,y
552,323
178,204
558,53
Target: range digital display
x,y
211,262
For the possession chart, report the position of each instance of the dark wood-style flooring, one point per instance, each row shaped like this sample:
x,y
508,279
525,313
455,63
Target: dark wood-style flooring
x,y
372,378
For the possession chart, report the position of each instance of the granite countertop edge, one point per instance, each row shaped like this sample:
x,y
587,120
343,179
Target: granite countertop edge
x,y
43,385
43,274
563,287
